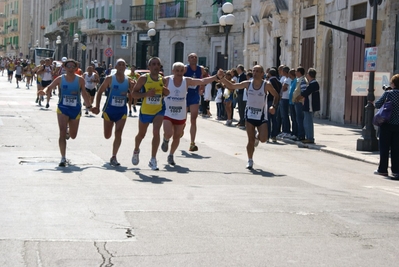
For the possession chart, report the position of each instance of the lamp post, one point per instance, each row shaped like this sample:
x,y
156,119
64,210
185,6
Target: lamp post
x,y
151,33
226,21
58,43
368,141
76,41
46,42
37,44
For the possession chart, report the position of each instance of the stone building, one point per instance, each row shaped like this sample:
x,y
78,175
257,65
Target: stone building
x,y
289,32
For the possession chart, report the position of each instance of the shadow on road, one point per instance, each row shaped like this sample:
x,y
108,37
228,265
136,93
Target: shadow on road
x,y
155,179
193,156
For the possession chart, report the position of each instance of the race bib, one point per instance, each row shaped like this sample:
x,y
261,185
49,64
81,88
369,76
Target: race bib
x,y
174,111
254,113
70,101
154,100
118,101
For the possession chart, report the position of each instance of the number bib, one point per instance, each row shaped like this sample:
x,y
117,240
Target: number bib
x,y
154,100
254,113
118,101
175,111
70,101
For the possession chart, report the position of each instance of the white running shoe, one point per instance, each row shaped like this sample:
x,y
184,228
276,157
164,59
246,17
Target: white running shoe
x,y
250,164
153,164
135,158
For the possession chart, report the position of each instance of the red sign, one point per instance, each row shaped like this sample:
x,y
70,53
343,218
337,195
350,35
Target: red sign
x,y
108,52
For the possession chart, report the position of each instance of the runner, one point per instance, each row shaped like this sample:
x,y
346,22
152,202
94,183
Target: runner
x,y
175,106
71,87
39,98
193,96
134,76
10,70
152,109
18,73
28,74
91,79
46,73
115,110
256,113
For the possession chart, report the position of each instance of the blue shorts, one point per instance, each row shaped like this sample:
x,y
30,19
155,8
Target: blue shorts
x,y
72,113
115,115
144,118
192,97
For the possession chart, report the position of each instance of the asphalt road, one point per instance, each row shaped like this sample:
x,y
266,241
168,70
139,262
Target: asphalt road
x,y
298,207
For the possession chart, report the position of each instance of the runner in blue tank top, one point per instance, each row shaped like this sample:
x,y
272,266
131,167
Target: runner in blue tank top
x,y
71,87
193,97
115,109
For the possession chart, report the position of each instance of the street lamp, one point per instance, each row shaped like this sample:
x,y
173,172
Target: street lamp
x,y
151,33
46,42
58,43
76,41
226,21
37,44
369,141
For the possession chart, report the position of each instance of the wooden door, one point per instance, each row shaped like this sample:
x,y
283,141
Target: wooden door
x,y
354,105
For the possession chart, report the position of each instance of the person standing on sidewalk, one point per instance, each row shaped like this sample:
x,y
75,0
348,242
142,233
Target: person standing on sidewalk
x,y
311,104
301,84
193,70
272,124
71,87
284,103
256,113
152,109
115,109
389,132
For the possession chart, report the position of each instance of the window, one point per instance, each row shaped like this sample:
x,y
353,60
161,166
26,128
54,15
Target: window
x,y
359,11
110,12
309,23
102,11
179,50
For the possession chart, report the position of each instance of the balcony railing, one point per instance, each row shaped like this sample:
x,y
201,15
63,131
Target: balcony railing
x,y
89,24
141,13
73,13
173,10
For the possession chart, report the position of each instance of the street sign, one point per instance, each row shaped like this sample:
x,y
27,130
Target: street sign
x,y
370,59
360,83
123,41
108,52
84,47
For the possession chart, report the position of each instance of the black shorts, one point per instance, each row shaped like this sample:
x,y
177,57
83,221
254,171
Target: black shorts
x,y
18,76
92,92
46,83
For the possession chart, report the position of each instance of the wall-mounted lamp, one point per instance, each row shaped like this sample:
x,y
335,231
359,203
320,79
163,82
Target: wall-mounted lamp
x,y
198,15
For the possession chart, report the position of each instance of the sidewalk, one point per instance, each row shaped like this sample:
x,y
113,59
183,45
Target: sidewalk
x,y
330,137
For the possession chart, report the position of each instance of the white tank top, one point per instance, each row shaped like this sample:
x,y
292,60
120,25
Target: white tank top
x,y
175,102
47,76
89,81
256,103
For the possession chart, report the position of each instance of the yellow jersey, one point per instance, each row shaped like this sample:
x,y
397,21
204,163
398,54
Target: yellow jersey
x,y
153,104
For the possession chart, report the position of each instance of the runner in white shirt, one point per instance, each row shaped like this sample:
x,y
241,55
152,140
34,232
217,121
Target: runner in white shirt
x,y
91,79
175,104
256,111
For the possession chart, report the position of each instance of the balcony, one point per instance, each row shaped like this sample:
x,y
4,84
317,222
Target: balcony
x,y
89,25
173,12
2,15
140,15
73,14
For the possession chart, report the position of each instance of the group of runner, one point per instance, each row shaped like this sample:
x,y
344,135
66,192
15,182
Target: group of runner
x,y
165,102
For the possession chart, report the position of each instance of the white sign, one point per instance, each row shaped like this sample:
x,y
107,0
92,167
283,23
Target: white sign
x,y
370,59
144,37
124,41
360,83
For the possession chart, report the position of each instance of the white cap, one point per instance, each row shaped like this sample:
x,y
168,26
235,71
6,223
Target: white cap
x,y
120,60
95,61
64,59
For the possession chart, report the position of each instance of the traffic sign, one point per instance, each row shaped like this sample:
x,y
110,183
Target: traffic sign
x,y
84,47
360,83
108,52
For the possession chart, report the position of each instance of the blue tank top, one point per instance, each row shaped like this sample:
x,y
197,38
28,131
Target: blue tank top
x,y
193,74
117,94
69,93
